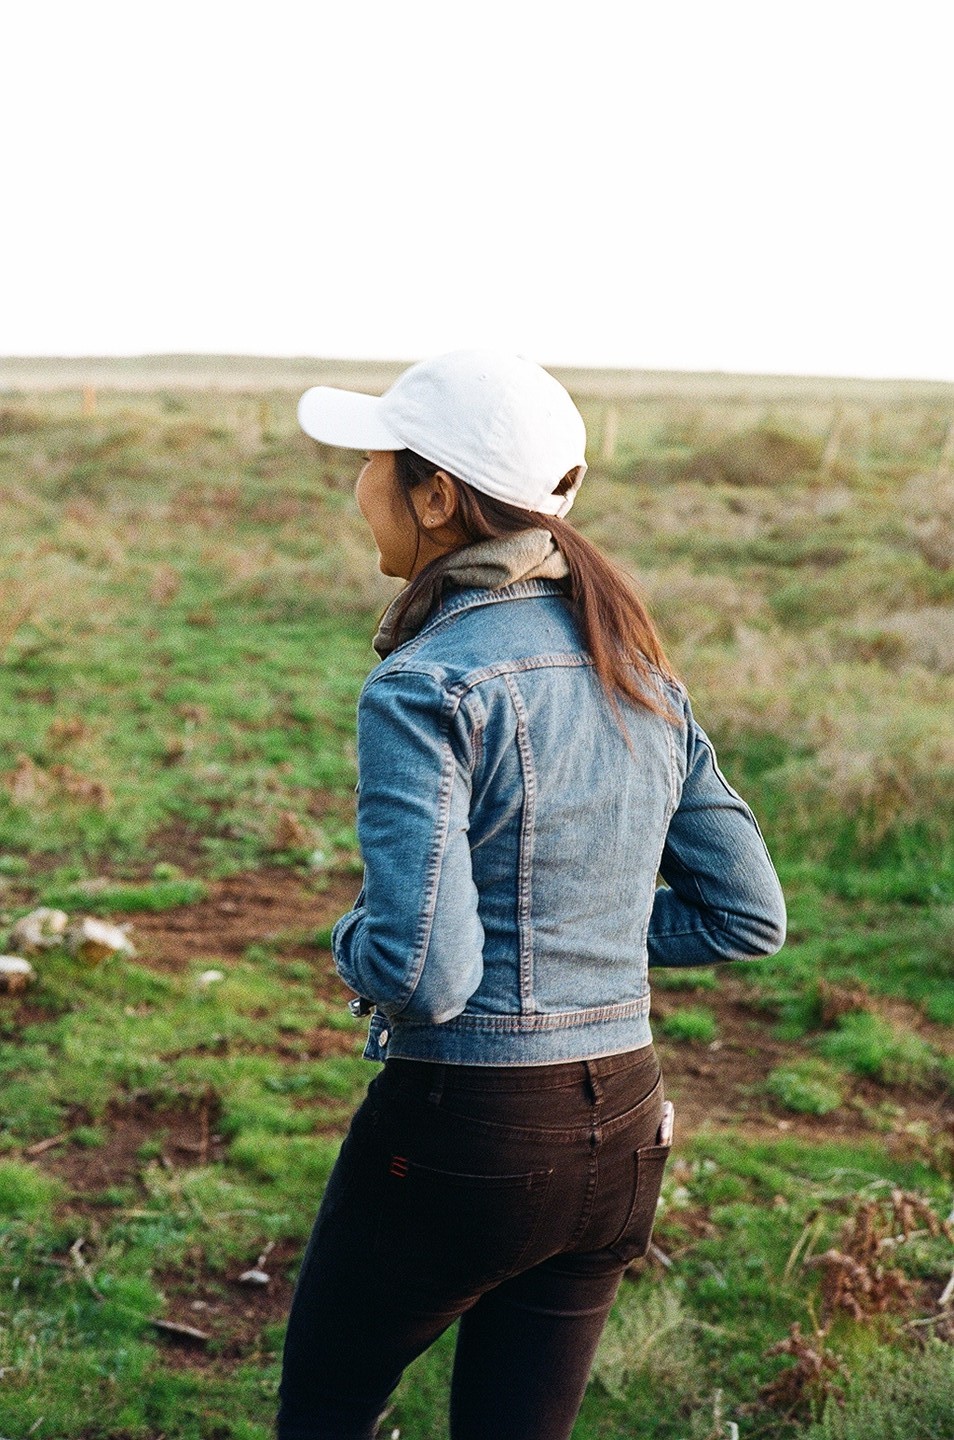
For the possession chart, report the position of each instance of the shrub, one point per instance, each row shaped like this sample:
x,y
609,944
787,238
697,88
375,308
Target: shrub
x,y
894,1396
754,457
868,1045
648,1340
18,420
806,1088
693,1024
25,1192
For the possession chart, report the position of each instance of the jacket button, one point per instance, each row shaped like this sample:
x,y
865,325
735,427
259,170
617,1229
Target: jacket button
x,y
384,1037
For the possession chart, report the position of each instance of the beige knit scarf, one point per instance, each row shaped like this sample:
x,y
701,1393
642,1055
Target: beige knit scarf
x,y
490,564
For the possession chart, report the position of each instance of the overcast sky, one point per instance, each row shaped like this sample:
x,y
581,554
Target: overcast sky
x,y
729,186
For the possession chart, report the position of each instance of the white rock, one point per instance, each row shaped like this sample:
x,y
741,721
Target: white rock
x,y
15,973
93,940
40,930
210,977
254,1277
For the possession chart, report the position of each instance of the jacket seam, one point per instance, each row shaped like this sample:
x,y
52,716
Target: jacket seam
x,y
476,735
525,866
477,596
554,660
664,829
542,1020
432,882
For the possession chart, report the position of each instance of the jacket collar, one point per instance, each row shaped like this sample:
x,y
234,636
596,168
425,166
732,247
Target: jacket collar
x,y
490,565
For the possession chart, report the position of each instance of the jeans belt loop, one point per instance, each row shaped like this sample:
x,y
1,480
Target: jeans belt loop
x,y
437,1089
596,1089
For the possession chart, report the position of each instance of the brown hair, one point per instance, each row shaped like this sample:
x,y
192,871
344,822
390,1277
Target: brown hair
x,y
617,629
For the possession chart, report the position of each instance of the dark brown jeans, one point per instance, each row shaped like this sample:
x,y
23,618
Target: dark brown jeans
x,y
511,1199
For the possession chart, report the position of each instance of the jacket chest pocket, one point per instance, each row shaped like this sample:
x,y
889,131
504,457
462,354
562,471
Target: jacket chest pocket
x,y
445,1235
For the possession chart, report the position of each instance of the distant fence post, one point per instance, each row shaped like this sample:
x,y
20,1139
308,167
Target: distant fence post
x,y
945,461
836,434
89,399
610,433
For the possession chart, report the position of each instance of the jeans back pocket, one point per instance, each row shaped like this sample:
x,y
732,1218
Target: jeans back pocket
x,y
445,1236
636,1235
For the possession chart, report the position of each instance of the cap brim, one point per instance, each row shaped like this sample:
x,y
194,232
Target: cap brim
x,y
346,418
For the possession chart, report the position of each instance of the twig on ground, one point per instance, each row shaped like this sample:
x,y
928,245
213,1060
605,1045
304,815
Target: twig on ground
x,y
79,1261
184,1332
809,1235
40,1145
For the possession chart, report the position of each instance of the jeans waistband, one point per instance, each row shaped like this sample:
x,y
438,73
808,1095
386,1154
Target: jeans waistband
x,y
425,1073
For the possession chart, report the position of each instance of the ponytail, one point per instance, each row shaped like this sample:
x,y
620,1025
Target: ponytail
x,y
617,629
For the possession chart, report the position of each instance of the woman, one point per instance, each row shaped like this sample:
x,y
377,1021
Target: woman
x,y
528,765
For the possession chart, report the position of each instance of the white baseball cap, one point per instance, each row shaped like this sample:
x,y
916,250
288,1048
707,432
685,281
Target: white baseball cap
x,y
500,423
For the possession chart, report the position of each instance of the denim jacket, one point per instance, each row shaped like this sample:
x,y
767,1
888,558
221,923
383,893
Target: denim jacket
x,y
513,840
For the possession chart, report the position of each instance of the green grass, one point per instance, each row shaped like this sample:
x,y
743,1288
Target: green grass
x,y
677,979
188,595
804,1088
870,1046
894,1397
693,1024
159,894
25,1194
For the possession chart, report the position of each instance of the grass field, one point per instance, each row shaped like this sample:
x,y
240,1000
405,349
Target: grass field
x,y
186,604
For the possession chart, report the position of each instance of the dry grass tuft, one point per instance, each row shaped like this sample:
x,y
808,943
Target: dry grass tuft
x,y
753,457
19,420
29,784
165,585
929,509
810,1380
856,1278
691,607
920,636
649,1338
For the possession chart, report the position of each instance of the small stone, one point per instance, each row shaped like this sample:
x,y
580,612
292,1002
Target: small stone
x,y
210,977
254,1277
15,973
93,940
42,929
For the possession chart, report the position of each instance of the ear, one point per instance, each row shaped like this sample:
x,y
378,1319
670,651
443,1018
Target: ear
x,y
436,501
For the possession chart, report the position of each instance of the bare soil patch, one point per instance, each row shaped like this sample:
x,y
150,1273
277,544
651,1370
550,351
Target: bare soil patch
x,y
722,1084
177,1135
239,911
232,1313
